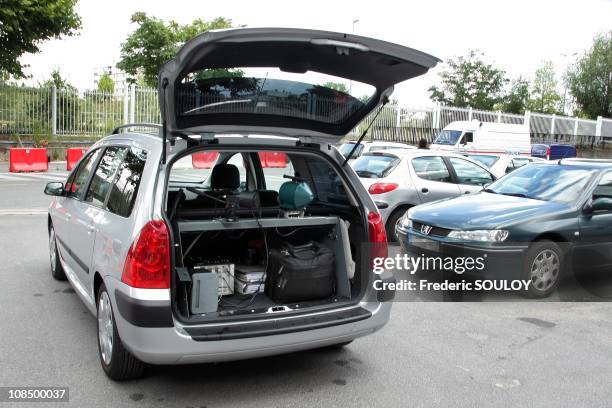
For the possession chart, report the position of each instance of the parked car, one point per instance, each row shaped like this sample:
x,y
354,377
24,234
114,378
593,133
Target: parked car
x,y
531,224
367,146
130,237
553,151
502,164
400,179
484,137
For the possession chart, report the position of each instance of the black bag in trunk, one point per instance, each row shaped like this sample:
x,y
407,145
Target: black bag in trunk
x,y
299,273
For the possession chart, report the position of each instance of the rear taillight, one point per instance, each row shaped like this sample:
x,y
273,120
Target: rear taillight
x,y
548,153
148,261
379,188
378,236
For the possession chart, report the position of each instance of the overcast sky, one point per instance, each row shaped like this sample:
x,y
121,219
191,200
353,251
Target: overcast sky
x,y
516,36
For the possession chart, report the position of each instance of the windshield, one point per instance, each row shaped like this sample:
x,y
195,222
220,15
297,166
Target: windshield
x,y
484,159
346,149
562,184
448,137
269,91
374,166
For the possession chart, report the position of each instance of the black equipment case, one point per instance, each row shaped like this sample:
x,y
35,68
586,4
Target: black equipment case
x,y
301,273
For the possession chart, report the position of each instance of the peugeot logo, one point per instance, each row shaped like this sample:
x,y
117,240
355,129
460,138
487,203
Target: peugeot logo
x,y
425,229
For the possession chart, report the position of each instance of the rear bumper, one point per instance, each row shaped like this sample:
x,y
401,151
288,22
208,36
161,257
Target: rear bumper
x,y
196,344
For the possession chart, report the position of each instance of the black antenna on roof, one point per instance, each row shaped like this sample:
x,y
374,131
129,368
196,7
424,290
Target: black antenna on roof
x,y
365,132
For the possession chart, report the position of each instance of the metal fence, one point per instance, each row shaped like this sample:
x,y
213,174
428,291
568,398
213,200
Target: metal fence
x,y
396,123
68,112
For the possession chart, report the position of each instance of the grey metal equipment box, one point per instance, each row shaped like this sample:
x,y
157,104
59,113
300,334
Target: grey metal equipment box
x,y
204,292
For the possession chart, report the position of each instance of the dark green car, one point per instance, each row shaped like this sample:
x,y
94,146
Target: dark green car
x,y
534,223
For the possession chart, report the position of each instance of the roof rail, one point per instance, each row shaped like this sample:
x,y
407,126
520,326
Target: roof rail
x,y
132,125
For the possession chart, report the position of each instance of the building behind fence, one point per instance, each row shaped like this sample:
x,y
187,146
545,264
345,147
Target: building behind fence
x,y
64,113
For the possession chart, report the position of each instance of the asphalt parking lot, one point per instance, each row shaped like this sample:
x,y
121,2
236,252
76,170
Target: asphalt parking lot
x,y
505,352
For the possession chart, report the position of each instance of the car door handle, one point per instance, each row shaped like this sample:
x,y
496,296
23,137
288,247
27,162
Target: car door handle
x,y
467,192
425,190
90,229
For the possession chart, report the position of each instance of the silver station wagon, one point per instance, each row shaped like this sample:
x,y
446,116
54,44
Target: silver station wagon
x,y
172,234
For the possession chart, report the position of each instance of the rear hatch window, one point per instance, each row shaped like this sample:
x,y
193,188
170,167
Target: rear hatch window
x,y
269,91
374,166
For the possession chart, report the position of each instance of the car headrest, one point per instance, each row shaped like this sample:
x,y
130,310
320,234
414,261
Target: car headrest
x,y
225,177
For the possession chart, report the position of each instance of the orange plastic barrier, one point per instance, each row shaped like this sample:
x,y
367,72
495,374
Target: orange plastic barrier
x,y
73,155
23,159
273,159
204,160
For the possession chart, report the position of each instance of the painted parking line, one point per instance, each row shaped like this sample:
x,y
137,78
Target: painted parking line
x,y
12,178
30,177
40,176
23,211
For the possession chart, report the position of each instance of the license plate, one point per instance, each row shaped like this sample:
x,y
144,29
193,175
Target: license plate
x,y
424,243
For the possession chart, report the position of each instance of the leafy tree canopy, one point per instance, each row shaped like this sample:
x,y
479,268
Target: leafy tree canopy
x,y
58,81
338,86
590,79
517,99
106,83
470,81
154,42
544,95
24,24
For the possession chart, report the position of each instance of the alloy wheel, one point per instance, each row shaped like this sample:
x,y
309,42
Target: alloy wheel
x,y
52,249
105,327
545,269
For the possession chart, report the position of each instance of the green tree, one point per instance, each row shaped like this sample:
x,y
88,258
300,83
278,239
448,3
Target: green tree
x,y
338,86
58,81
154,42
470,81
590,78
24,24
517,99
106,83
544,95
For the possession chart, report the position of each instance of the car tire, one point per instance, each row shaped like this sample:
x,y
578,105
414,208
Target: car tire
x,y
57,271
543,265
118,363
393,219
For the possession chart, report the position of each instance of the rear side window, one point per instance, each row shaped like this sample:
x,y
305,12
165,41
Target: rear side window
x,y
469,173
327,184
103,177
79,182
486,160
346,149
604,188
125,188
516,163
431,168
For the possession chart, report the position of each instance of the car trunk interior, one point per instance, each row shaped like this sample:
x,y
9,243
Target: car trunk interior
x,y
225,239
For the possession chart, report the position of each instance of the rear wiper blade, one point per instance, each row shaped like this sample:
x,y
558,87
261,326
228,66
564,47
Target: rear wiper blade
x,y
366,173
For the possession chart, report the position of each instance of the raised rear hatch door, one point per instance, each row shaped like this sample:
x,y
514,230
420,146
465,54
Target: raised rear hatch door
x,y
285,81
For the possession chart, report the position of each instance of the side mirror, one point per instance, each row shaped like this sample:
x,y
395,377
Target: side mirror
x,y
54,188
602,204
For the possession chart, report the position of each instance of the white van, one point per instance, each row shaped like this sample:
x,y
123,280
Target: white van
x,y
484,137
